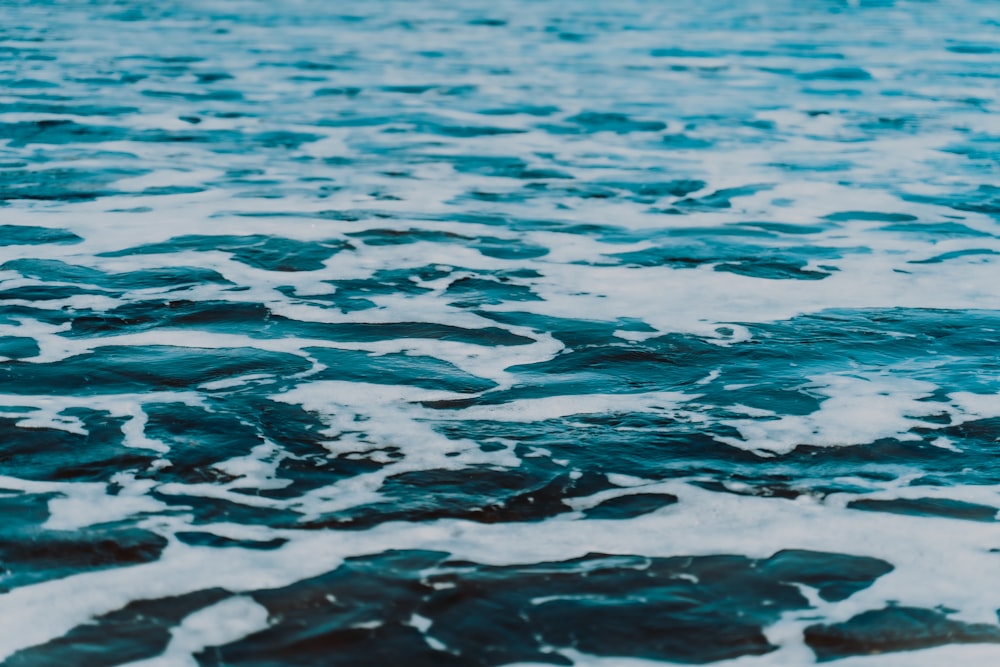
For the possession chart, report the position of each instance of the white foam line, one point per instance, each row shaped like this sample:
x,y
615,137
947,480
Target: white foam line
x,y
698,300
798,655
82,505
47,412
554,407
223,622
363,417
859,408
702,523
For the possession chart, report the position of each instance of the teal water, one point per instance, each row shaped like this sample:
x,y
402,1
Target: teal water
x,y
511,333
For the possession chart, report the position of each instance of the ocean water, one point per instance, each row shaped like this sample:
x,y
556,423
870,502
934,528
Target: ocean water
x,y
499,333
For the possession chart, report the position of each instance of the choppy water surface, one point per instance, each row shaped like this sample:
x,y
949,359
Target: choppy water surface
x,y
492,333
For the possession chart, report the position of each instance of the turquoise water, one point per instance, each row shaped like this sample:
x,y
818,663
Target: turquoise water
x,y
512,333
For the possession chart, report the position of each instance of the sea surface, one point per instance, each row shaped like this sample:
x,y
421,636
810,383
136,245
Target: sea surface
x,y
610,334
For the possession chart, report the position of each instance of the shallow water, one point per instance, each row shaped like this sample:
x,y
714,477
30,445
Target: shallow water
x,y
499,333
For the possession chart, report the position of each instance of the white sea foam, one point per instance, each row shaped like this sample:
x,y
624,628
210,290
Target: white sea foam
x,y
702,523
857,409
223,622
554,407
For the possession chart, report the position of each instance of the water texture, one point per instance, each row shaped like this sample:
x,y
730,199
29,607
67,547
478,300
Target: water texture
x,y
499,333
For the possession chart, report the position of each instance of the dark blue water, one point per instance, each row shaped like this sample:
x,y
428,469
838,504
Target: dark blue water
x,y
510,333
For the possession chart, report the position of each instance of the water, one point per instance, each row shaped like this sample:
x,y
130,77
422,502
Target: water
x,y
607,334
